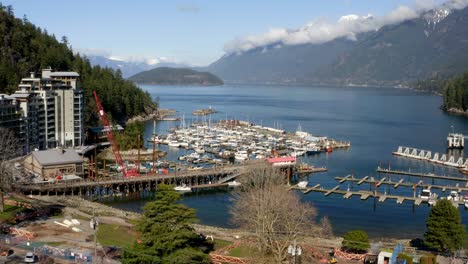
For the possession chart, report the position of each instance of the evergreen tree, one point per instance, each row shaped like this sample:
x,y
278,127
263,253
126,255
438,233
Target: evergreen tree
x,y
356,241
445,231
166,233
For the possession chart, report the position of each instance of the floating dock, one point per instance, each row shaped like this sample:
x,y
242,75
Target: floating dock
x,y
364,195
403,184
421,175
426,155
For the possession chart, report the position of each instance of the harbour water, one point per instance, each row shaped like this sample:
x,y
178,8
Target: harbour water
x,y
375,120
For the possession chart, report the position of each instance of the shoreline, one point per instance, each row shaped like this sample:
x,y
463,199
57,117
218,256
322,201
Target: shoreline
x,y
456,111
103,210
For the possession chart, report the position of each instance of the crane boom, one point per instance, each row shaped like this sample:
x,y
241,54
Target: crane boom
x,y
110,137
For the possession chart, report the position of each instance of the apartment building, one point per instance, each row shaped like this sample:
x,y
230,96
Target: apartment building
x,y
51,109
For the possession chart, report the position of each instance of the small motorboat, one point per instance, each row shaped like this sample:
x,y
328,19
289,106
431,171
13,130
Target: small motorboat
x,y
465,200
425,195
234,184
183,188
453,196
302,184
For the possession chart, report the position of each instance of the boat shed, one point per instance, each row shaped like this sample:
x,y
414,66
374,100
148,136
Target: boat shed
x,y
282,161
54,163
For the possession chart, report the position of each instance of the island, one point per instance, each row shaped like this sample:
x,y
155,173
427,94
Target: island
x,y
176,76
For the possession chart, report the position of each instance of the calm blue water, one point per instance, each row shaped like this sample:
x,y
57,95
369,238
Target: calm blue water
x,y
376,121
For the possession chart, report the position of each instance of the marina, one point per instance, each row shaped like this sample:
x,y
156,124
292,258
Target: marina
x,y
374,130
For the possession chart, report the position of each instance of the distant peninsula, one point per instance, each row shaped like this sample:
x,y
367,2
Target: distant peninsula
x,y
176,76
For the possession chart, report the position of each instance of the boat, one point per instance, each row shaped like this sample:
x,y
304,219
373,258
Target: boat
x,y
329,149
175,144
465,200
313,150
156,140
241,155
183,188
425,195
234,184
195,168
200,150
302,184
453,196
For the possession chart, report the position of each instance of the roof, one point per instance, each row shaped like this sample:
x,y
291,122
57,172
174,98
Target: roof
x,y
281,159
64,74
57,156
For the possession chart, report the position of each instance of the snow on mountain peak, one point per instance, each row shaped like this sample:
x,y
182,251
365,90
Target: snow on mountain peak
x,y
435,16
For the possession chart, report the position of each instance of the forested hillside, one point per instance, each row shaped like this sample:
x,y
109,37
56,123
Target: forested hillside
x,y
26,48
456,94
173,76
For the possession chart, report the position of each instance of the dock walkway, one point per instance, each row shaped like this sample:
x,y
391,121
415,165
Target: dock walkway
x,y
422,175
365,195
404,184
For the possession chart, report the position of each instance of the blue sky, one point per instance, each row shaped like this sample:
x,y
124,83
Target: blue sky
x,y
185,31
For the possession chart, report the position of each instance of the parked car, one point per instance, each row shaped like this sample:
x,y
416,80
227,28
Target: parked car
x,y
30,257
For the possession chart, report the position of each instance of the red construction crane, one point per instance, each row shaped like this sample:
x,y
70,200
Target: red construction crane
x,y
115,148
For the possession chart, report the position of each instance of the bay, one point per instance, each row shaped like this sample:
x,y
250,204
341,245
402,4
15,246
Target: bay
x,y
375,120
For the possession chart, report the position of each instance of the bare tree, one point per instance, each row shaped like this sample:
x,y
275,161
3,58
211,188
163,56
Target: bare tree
x,y
326,227
9,148
274,214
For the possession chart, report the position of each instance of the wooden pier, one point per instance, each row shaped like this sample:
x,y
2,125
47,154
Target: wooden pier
x,y
422,175
196,179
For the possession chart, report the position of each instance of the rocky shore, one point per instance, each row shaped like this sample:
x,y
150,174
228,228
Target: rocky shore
x,y
158,114
457,111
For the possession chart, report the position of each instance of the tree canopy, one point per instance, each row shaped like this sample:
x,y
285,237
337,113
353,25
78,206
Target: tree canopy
x,y
456,93
356,241
276,216
445,231
26,48
166,233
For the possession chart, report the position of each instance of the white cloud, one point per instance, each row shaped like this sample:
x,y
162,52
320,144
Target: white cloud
x,y
348,26
136,59
94,52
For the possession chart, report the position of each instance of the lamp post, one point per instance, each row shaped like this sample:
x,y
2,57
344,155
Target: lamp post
x,y
295,251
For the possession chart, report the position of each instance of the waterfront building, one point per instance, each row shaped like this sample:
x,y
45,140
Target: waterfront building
x,y
54,163
52,109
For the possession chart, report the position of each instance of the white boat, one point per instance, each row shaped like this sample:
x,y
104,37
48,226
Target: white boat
x,y
183,188
193,155
234,184
425,195
156,140
465,200
200,150
175,144
302,184
453,196
241,155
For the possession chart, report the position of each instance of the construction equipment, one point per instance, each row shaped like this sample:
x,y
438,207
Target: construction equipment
x,y
115,148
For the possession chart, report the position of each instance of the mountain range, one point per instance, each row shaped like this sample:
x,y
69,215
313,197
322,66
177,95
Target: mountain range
x,y
130,68
433,44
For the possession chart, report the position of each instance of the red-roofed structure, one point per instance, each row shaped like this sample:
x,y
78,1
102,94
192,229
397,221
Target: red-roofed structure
x,y
289,159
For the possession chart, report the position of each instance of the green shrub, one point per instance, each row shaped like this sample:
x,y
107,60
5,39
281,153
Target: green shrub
x,y
409,259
